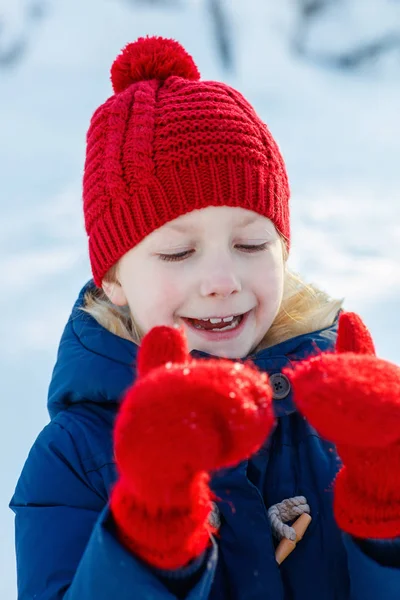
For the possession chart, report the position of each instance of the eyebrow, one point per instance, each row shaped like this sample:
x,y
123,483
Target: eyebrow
x,y
184,228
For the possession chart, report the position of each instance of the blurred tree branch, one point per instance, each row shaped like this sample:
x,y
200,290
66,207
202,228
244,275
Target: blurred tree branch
x,y
222,32
361,51
15,29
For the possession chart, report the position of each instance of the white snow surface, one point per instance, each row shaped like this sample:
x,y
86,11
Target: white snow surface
x,y
339,133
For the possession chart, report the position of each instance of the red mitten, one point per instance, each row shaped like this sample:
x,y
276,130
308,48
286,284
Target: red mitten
x,y
180,420
353,399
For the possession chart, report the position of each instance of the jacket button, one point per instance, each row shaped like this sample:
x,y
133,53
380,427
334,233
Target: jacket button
x,y
280,386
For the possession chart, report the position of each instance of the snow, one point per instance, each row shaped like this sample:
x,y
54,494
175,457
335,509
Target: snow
x,y
339,133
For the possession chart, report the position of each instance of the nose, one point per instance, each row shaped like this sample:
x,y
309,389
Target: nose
x,y
220,283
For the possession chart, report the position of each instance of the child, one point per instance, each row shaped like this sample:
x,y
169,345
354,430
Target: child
x,y
185,489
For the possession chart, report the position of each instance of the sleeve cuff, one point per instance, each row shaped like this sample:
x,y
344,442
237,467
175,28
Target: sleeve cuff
x,y
385,552
187,571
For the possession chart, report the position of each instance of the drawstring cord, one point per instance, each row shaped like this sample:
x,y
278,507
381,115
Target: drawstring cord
x,y
279,514
287,510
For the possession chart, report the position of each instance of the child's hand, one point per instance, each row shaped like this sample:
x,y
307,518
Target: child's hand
x,y
179,421
353,399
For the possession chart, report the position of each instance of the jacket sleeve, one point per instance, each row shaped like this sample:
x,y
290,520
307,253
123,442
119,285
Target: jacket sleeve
x,y
371,578
66,548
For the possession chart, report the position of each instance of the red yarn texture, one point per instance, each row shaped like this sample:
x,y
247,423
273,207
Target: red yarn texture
x,y
160,346
151,58
353,400
176,424
166,144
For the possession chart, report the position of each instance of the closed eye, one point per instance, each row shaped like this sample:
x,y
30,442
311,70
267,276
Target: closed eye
x,y
175,257
186,253
250,248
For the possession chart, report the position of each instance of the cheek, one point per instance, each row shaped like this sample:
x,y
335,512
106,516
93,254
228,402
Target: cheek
x,y
168,295
270,284
158,299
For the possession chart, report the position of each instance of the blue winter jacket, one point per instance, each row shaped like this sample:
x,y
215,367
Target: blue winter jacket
x,y
65,536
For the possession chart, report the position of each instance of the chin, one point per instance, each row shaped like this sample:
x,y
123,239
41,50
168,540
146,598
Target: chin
x,y
221,351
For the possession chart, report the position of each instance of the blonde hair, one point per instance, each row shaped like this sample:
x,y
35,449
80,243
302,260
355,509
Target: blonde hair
x,y
304,308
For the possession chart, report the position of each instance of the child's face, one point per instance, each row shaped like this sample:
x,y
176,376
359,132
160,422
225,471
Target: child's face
x,y
213,275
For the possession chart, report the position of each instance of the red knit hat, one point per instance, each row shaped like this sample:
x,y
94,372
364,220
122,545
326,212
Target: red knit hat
x,y
167,143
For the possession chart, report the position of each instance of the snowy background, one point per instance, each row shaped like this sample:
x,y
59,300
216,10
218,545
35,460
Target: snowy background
x,y
324,75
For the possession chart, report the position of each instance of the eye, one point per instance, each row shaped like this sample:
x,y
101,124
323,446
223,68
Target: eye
x,y
250,248
175,257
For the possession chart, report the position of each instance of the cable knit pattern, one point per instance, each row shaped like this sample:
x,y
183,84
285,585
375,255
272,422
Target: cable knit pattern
x,y
165,146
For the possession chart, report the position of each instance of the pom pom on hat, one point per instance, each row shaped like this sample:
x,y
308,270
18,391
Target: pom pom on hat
x,y
152,58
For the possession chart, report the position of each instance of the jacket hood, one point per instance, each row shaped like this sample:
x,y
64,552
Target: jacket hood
x,y
94,365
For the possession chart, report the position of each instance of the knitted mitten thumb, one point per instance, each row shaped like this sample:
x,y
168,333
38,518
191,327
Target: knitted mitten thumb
x,y
181,419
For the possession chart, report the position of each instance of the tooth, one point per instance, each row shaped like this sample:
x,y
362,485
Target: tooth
x,y
228,319
215,321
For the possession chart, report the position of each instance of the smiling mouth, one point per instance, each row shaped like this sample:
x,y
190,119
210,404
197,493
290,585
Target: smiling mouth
x,y
215,323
